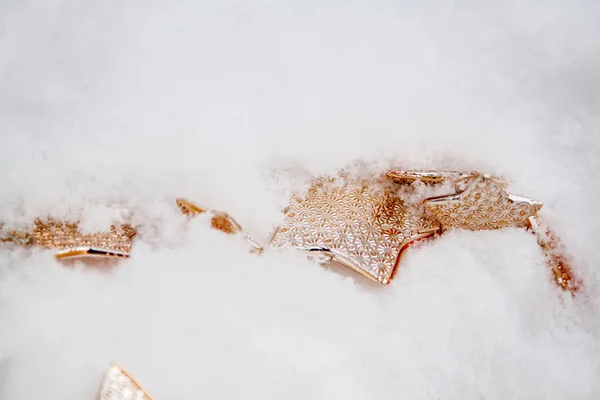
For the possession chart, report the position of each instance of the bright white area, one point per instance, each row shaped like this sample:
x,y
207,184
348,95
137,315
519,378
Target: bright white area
x,y
112,109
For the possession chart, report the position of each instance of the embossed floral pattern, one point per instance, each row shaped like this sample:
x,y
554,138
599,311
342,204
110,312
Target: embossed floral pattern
x,y
485,204
364,223
64,235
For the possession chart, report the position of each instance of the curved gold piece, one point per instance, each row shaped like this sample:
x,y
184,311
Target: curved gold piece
x,y
426,176
118,384
553,249
189,208
72,244
364,225
361,224
219,220
482,202
89,252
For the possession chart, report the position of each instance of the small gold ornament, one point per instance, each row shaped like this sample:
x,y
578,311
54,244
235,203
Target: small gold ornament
x,y
366,225
66,237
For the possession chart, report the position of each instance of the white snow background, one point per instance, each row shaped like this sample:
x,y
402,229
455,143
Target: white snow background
x,y
112,109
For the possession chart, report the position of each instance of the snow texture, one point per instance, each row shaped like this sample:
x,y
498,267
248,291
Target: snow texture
x,y
112,109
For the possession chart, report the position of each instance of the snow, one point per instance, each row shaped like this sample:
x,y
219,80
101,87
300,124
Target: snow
x,y
113,109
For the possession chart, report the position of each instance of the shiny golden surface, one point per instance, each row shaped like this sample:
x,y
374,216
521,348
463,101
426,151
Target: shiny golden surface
x,y
364,225
481,202
65,235
431,177
484,204
223,224
71,243
189,208
219,220
361,224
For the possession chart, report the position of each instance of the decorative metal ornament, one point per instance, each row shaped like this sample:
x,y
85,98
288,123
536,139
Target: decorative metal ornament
x,y
219,220
481,202
65,237
366,225
363,224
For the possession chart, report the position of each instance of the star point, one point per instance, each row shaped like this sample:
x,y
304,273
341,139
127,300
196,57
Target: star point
x,y
484,203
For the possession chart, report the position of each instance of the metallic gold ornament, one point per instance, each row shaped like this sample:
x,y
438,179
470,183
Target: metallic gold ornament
x,y
65,237
219,220
479,202
366,225
363,224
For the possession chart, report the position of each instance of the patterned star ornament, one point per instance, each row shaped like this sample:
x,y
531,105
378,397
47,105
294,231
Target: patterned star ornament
x,y
482,203
359,223
367,224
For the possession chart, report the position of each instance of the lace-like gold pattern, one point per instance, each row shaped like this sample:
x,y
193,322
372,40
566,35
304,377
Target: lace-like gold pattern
x,y
362,225
481,202
66,236
485,204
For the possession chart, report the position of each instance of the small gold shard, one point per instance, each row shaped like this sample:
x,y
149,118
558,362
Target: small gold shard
x,y
219,220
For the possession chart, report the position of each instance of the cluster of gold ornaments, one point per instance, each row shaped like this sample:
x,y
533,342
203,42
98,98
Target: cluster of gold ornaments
x,y
362,224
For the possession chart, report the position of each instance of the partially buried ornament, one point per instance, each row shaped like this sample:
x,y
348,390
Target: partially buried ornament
x,y
365,224
361,224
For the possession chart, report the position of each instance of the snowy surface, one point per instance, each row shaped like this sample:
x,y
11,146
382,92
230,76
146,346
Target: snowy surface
x,y
114,108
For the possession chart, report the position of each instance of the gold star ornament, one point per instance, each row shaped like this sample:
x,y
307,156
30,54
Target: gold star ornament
x,y
364,224
367,224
